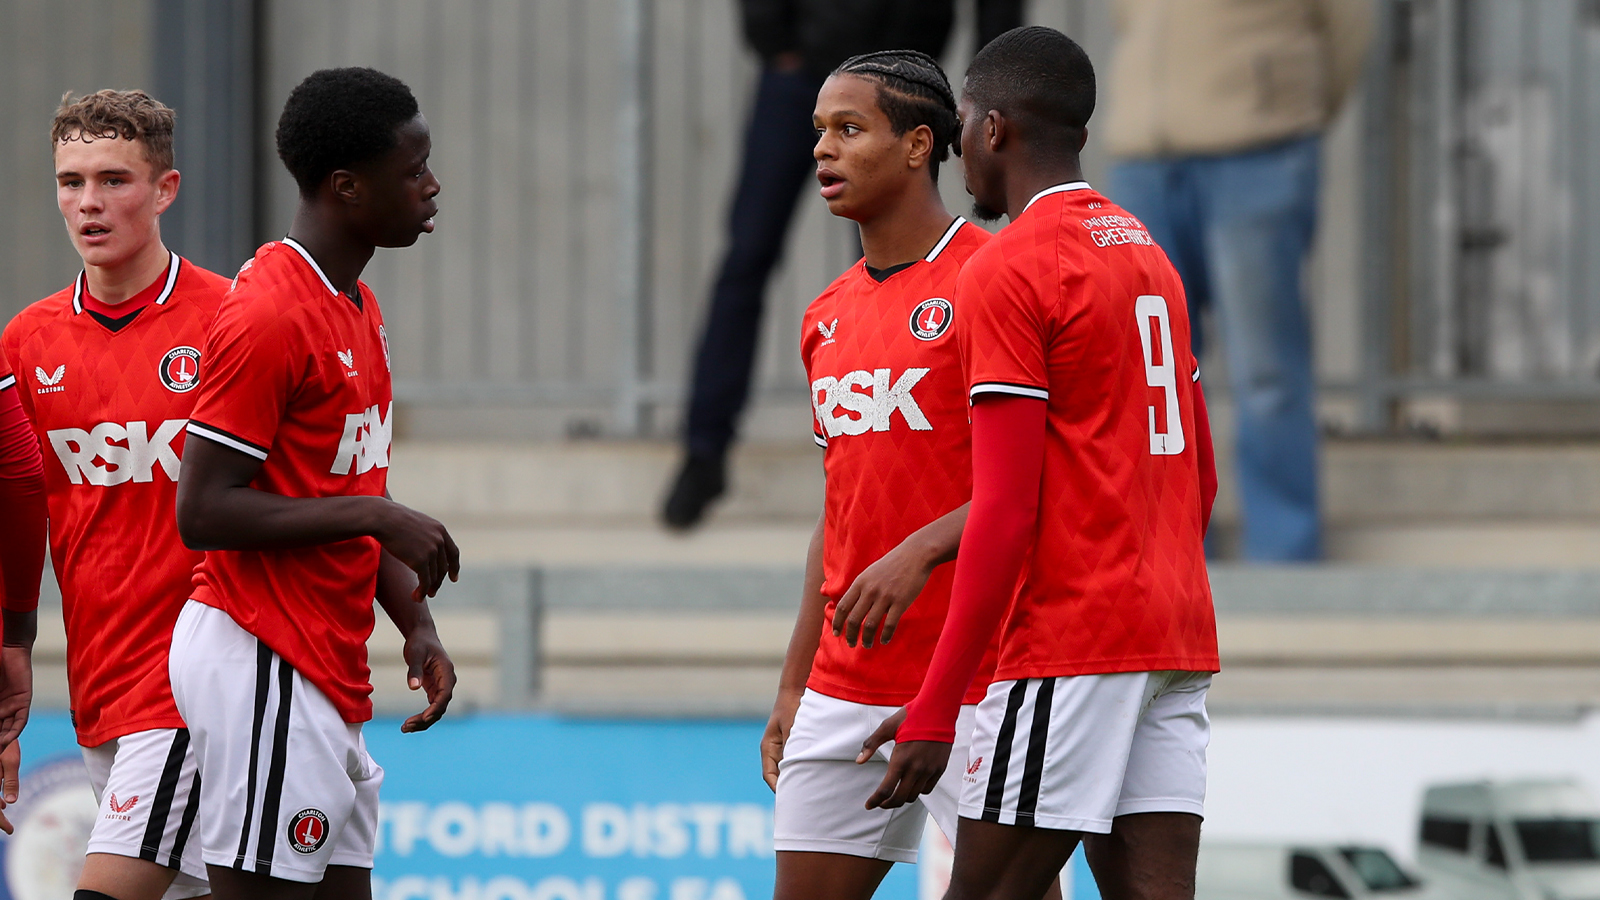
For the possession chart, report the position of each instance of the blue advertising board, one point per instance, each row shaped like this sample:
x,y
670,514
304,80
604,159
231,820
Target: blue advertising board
x,y
502,807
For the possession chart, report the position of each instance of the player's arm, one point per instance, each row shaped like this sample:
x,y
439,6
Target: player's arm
x,y
796,660
885,590
428,666
22,540
1008,436
219,510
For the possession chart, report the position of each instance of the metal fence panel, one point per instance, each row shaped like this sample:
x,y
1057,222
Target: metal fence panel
x,y
1497,108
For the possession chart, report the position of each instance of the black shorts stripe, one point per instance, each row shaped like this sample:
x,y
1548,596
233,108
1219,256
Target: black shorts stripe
x,y
156,829
1033,764
181,839
1000,768
263,682
273,795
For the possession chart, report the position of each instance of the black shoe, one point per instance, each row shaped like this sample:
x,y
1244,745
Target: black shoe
x,y
700,481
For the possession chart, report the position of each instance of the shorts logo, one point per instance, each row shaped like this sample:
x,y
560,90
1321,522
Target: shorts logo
x,y
930,319
976,765
308,830
180,369
121,810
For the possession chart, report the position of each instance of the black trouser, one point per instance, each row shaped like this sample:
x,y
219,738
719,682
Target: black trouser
x,y
777,159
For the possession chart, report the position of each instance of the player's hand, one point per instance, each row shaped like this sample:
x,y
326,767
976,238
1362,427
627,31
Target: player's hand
x,y
10,764
915,767
422,543
428,669
16,694
777,734
880,595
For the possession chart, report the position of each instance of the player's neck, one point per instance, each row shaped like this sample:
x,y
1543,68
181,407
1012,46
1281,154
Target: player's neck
x,y
1026,180
906,231
341,255
117,283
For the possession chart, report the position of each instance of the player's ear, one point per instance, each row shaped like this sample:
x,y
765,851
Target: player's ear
x,y
919,146
346,186
1083,137
167,189
994,129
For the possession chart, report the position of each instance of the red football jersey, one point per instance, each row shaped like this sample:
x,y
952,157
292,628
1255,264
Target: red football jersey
x,y
109,408
1074,304
297,375
889,405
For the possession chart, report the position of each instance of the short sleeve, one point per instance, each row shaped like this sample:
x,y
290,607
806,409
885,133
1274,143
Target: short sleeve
x,y
808,345
1001,331
252,362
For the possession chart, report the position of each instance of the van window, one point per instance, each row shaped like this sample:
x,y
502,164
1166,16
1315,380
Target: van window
x,y
1308,875
1558,840
1378,871
1493,853
1446,834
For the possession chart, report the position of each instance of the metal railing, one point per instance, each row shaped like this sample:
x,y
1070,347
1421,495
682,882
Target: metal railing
x,y
1482,203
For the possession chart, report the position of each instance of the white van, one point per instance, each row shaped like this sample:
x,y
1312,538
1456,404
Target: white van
x,y
1512,840
1231,870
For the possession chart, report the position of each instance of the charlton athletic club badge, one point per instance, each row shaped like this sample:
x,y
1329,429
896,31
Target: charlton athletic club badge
x,y
180,369
308,830
930,319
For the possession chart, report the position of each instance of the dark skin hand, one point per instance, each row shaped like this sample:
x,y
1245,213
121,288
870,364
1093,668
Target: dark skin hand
x,y
16,666
883,591
428,666
218,510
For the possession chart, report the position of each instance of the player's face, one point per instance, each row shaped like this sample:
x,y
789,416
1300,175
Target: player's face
x,y
398,190
862,165
110,197
979,168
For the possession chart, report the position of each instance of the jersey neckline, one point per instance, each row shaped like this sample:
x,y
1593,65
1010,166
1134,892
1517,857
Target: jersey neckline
x,y
80,285
321,275
933,254
1057,189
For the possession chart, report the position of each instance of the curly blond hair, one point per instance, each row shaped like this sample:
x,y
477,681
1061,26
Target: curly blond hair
x,y
130,115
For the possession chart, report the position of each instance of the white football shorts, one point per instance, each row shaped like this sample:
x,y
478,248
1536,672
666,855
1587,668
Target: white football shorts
x,y
822,793
287,787
147,784
1074,753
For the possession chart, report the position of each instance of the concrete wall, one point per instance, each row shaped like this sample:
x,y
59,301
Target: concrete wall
x,y
47,49
505,321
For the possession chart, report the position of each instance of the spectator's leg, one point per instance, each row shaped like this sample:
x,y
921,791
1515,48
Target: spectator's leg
x,y
1162,195
1261,211
777,158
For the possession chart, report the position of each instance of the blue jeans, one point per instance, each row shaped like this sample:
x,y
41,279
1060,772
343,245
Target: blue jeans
x,y
778,141
1238,228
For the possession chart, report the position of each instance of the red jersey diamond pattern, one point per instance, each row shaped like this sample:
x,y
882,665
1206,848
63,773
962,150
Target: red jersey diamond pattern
x,y
1073,303
111,433
890,408
296,374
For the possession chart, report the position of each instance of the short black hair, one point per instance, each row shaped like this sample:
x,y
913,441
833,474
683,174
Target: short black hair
x,y
1041,79
912,91
338,118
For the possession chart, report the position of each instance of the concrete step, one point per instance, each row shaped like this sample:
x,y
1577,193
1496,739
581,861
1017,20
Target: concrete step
x,y
602,482
710,640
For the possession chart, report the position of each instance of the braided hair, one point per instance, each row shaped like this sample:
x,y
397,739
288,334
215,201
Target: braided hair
x,y
912,91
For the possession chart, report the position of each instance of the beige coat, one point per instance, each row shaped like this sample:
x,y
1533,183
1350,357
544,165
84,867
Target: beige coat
x,y
1200,77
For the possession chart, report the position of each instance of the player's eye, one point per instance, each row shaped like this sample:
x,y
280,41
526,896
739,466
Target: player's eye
x,y
851,129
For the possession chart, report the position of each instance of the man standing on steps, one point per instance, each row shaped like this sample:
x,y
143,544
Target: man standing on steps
x,y
800,42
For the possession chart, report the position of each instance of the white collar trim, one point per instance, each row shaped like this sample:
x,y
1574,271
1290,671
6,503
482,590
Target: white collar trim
x,y
945,240
1069,186
306,254
80,284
